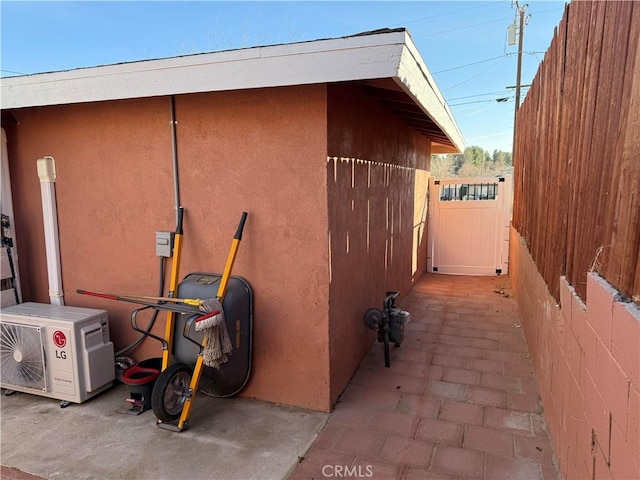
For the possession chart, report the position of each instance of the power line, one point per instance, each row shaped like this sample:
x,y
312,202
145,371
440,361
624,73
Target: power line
x,y
510,54
475,76
464,28
470,64
498,100
483,23
11,71
478,95
445,14
545,11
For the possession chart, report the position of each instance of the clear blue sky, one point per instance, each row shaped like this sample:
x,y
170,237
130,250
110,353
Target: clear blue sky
x,y
463,43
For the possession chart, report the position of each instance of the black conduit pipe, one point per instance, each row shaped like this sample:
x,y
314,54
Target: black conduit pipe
x,y
174,152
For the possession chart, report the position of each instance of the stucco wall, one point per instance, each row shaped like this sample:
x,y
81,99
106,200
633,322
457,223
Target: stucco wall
x,y
263,151
587,365
377,183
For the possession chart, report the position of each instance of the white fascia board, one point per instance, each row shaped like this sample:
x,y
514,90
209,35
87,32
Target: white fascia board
x,y
334,60
416,80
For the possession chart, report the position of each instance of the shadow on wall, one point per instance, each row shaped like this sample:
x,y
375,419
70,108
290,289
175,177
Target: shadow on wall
x,y
377,242
377,219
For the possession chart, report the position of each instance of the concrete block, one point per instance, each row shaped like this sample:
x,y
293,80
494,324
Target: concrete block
x,y
625,339
584,469
601,469
577,401
612,383
574,427
566,292
568,466
596,412
623,464
633,422
573,353
553,415
587,341
559,324
583,448
578,313
600,299
563,375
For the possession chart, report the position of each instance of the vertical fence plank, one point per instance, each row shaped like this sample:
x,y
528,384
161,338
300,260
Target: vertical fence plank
x,y
625,184
577,40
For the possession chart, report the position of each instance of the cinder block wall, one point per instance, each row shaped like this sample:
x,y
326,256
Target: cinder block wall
x,y
587,364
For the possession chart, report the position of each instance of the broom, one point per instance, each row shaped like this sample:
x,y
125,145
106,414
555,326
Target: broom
x,y
139,298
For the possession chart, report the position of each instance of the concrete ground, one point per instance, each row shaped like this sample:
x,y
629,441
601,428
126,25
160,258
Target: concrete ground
x,y
459,402
226,439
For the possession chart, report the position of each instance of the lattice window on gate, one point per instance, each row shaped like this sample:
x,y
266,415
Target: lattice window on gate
x,y
468,191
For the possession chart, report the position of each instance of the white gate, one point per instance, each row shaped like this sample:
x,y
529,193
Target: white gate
x,y
468,225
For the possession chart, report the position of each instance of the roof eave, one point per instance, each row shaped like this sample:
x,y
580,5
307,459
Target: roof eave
x,y
415,79
323,61
388,54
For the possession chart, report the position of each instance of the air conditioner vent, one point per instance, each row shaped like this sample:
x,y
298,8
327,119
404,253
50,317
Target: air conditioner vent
x,y
22,356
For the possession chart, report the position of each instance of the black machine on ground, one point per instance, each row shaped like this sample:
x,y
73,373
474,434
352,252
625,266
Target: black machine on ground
x,y
388,322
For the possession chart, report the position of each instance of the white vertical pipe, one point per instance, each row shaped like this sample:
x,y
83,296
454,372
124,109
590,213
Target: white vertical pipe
x,y
6,206
47,174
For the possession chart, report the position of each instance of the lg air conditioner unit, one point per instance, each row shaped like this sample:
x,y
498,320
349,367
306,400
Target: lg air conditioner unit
x,y
55,351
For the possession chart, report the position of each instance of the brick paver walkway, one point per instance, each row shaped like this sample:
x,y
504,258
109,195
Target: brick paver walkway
x,y
8,473
459,401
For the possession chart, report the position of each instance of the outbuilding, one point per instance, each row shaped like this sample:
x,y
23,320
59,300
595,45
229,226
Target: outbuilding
x,y
326,144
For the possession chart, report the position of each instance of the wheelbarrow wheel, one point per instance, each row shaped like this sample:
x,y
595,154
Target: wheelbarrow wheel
x,y
170,392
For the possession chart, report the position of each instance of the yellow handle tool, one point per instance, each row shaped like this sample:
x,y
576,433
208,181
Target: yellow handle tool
x,y
222,289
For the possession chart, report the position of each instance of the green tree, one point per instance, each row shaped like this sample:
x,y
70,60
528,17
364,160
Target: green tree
x,y
473,162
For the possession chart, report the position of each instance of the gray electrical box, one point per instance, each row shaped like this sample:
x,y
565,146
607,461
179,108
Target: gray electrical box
x,y
164,244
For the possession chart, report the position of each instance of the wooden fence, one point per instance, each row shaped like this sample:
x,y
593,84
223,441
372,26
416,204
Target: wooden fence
x,y
577,152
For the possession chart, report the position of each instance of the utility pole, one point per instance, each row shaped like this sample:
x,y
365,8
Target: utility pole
x,y
520,31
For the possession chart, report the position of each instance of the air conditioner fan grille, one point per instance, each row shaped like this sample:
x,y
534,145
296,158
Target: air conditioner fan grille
x,y
22,356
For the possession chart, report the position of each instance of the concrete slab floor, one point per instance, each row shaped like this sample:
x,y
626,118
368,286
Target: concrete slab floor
x,y
227,439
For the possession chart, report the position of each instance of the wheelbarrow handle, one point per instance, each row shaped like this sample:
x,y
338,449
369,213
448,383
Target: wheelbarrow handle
x,y
238,235
179,229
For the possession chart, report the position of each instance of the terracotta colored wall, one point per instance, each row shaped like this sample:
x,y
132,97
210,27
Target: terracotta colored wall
x,y
111,193
263,151
377,183
587,364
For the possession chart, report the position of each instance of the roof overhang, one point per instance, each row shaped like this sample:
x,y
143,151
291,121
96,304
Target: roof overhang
x,y
386,62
